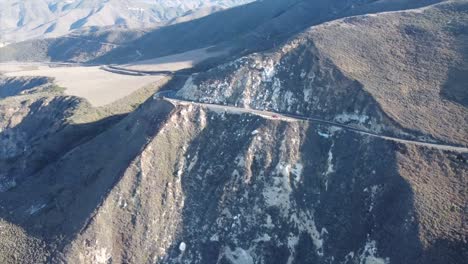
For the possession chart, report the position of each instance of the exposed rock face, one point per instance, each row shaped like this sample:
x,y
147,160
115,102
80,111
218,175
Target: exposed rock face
x,y
295,80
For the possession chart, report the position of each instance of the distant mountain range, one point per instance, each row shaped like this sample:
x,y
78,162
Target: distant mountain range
x,y
252,27
26,19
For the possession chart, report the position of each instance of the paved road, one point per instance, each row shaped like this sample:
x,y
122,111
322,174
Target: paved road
x,y
126,71
169,96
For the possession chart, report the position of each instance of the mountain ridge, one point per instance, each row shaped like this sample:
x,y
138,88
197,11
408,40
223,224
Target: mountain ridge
x,y
22,20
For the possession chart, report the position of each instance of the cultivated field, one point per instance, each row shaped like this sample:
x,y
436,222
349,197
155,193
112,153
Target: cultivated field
x,y
99,87
102,87
17,66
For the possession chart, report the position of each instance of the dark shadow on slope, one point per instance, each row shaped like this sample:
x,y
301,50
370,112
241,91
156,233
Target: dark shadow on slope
x,y
75,47
16,86
363,205
31,50
362,199
254,27
44,136
82,21
58,201
331,93
217,148
456,86
446,252
308,13
222,196
176,82
343,95
199,33
366,199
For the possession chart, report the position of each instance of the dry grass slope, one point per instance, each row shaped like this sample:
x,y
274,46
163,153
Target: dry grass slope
x,y
406,60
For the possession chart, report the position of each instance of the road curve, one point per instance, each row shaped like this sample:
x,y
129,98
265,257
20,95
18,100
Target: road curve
x,y
126,71
168,96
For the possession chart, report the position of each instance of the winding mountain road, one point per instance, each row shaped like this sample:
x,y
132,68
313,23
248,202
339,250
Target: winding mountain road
x,y
169,96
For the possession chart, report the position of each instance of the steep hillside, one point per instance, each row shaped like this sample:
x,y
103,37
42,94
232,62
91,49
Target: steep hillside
x,y
254,27
413,70
196,186
39,123
257,26
184,36
80,46
394,83
17,86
